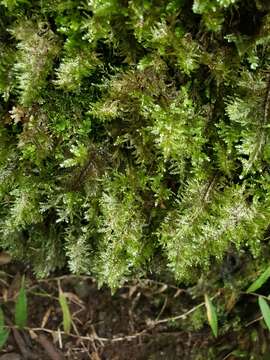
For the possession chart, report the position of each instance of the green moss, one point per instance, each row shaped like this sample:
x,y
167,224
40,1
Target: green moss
x,y
134,135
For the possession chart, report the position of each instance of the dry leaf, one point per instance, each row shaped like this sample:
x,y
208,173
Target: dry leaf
x,y
32,334
178,292
46,317
162,289
17,114
95,356
74,298
5,295
231,302
132,290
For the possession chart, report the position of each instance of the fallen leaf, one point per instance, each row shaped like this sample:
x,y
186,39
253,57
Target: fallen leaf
x,y
46,317
231,302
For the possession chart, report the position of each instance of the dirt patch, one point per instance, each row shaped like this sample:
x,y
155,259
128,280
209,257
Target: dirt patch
x,y
144,320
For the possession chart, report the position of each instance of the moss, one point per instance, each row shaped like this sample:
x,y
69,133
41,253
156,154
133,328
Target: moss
x,y
137,133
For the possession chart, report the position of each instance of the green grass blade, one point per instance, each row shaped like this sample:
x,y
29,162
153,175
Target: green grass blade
x,y
21,308
65,311
4,333
265,310
260,281
211,315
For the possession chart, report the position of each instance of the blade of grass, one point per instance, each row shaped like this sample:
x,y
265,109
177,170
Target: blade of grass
x,y
211,315
65,311
265,310
21,307
259,281
4,333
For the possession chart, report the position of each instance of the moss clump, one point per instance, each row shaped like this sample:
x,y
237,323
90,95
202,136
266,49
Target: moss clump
x,y
134,135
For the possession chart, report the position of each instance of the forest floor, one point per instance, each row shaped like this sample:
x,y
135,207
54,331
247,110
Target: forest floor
x,y
142,320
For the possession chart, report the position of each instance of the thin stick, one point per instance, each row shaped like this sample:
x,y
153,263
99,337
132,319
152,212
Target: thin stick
x,y
178,317
19,340
50,349
162,309
254,321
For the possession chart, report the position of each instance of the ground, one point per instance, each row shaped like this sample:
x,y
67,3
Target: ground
x,y
146,319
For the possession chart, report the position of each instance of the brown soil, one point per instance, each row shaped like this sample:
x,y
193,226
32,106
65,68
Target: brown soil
x,y
127,325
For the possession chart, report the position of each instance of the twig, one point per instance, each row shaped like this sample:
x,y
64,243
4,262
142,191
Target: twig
x,y
255,294
60,338
228,355
19,341
254,321
53,353
178,317
6,274
162,309
155,282
40,294
4,282
183,316
77,332
95,336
